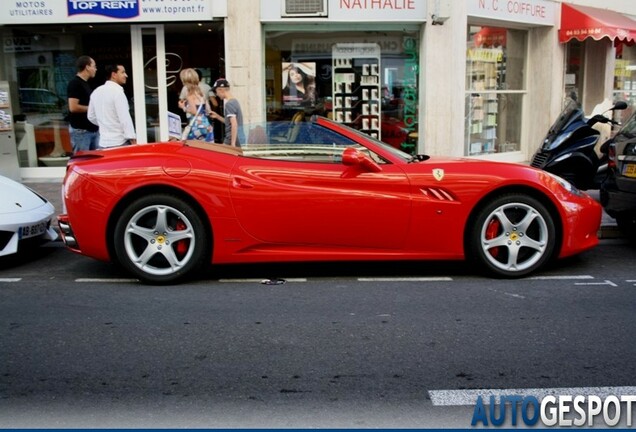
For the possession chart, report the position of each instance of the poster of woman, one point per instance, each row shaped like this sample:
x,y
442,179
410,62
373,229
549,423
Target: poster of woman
x,y
299,84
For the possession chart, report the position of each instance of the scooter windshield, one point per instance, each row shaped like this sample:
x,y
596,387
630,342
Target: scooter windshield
x,y
570,111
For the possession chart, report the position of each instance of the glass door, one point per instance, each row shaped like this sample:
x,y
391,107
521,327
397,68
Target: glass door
x,y
150,101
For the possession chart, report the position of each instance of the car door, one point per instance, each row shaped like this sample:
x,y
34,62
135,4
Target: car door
x,y
319,203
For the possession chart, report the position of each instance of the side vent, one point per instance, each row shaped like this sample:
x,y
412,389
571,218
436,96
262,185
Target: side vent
x,y
304,8
437,194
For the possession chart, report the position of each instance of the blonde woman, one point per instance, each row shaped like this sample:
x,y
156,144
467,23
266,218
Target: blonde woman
x,y
196,107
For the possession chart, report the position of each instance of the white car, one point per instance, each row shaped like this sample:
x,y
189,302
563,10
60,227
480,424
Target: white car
x,y
24,215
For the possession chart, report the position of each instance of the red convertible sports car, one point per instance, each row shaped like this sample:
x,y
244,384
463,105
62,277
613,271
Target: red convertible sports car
x,y
315,191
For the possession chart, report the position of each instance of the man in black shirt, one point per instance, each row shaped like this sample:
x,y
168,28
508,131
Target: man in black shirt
x,y
84,134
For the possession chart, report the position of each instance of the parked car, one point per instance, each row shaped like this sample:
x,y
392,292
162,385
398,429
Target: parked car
x,y
24,216
618,190
333,194
40,100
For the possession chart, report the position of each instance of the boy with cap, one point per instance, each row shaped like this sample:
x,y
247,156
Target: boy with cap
x,y
233,116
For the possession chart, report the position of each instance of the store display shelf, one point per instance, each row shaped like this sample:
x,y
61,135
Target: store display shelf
x,y
356,86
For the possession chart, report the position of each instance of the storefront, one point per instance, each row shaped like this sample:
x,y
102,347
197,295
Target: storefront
x,y
477,78
358,63
510,60
600,55
152,39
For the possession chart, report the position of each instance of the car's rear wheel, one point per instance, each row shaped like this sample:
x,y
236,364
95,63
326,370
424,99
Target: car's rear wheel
x,y
513,235
161,239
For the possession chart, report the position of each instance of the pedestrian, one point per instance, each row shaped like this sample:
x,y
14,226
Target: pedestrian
x,y
109,109
216,105
197,108
84,134
232,114
206,90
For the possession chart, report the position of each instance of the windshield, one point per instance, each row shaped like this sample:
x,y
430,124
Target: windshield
x,y
387,147
571,110
309,141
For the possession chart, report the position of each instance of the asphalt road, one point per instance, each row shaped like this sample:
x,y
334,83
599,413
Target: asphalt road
x,y
334,346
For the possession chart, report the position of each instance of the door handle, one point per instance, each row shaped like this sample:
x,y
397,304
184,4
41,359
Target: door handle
x,y
241,183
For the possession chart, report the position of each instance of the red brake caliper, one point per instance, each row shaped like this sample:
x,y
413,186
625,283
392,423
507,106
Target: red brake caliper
x,y
491,232
182,245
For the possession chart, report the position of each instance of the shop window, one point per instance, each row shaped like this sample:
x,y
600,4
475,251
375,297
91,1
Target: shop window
x,y
366,80
574,61
625,79
495,86
40,60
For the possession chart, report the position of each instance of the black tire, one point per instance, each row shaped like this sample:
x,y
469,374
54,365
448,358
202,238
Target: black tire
x,y
626,223
161,239
512,235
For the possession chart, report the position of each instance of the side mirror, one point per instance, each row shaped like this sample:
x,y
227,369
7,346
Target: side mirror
x,y
620,105
355,158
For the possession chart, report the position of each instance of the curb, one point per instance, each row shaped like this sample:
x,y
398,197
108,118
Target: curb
x,y
609,232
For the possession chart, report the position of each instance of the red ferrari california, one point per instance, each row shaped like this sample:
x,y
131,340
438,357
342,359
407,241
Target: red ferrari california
x,y
315,191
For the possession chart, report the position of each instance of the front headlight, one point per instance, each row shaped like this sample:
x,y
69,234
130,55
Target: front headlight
x,y
565,184
37,194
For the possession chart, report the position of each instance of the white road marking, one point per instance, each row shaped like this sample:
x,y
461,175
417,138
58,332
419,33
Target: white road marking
x,y
260,280
610,283
361,279
105,280
519,296
469,397
561,277
405,279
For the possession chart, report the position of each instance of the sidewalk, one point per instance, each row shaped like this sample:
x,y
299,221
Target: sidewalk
x,y
52,190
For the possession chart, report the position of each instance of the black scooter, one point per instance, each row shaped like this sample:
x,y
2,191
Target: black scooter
x,y
568,150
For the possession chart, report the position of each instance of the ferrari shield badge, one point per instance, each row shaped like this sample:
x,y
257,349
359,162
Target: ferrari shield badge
x,y
438,173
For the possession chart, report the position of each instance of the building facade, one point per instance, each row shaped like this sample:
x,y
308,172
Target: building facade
x,y
474,78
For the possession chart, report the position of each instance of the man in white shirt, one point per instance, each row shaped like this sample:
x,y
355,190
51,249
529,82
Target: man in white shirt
x,y
109,109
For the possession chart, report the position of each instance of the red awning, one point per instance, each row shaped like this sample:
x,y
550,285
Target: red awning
x,y
490,36
582,22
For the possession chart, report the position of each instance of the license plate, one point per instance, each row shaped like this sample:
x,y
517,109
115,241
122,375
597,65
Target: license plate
x,y
630,170
34,230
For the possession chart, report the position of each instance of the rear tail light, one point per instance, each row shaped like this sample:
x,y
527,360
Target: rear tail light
x,y
611,156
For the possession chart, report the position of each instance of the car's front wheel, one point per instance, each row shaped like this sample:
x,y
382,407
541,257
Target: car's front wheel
x,y
513,235
161,239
